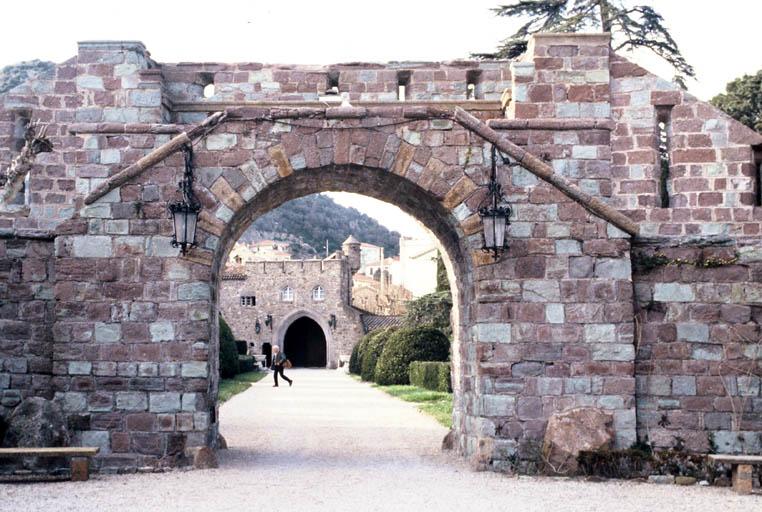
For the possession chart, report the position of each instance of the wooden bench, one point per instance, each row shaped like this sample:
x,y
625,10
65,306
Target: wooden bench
x,y
80,457
742,469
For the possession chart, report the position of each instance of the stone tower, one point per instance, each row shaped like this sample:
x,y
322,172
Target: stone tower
x,y
351,248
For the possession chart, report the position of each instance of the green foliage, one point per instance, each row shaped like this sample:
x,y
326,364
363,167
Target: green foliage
x,y
443,283
434,403
246,363
631,28
238,384
354,360
16,74
431,375
240,346
407,345
432,310
228,351
316,218
372,351
742,100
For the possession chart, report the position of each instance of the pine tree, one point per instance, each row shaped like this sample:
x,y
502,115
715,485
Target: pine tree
x,y
634,27
742,100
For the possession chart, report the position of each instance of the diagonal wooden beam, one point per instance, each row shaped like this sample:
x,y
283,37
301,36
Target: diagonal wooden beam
x,y
546,173
156,156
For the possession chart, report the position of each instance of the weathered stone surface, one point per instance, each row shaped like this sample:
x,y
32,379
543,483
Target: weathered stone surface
x,y
202,457
573,431
36,422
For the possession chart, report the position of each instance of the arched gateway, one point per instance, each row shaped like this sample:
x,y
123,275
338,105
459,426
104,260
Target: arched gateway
x,y
304,343
121,327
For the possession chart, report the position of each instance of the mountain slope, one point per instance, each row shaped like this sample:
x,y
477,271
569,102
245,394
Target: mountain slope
x,y
317,218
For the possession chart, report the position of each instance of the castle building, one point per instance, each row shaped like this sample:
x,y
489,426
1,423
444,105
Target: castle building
x,y
303,306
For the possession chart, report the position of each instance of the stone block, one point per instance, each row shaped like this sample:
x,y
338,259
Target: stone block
x,y
131,401
527,369
684,385
165,402
90,82
493,332
568,247
189,401
600,333
195,369
613,352
498,405
162,331
554,313
707,353
613,268
221,141
80,367
541,291
91,246
692,332
108,333
194,291
661,479
72,401
99,438
549,386
673,292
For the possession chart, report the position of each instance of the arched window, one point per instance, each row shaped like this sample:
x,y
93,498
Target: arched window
x,y
318,293
287,294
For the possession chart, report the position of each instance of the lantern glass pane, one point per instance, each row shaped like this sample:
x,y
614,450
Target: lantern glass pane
x,y
191,218
180,222
499,231
489,230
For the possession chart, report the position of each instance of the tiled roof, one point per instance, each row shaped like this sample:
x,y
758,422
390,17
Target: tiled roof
x,y
372,322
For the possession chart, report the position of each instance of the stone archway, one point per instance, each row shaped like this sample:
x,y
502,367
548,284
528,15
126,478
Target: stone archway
x,y
318,323
513,364
304,343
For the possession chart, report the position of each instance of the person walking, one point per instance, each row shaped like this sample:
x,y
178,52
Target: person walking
x,y
280,361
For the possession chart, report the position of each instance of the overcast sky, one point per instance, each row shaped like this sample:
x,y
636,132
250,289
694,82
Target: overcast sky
x,y
721,39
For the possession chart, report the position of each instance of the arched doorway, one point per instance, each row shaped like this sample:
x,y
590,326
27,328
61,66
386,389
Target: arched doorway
x,y
305,344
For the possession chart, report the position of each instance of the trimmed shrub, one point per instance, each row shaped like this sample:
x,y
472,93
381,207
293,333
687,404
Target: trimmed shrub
x,y
240,346
430,310
228,351
359,350
431,375
246,364
408,345
372,352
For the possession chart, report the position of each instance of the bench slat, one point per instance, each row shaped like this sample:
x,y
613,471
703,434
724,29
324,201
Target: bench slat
x,y
68,451
735,459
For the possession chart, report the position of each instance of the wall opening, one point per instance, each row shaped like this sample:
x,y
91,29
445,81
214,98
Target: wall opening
x,y
304,344
663,135
403,85
473,84
757,177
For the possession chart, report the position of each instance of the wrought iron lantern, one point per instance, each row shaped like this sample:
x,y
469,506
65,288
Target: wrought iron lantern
x,y
269,321
495,214
332,322
185,212
257,326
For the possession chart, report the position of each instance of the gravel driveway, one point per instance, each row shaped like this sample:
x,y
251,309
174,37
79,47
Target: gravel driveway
x,y
330,443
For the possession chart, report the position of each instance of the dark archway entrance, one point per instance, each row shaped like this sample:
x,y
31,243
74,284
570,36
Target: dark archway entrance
x,y
304,343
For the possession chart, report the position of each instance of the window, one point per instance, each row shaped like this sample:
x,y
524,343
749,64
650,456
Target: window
x,y
663,128
318,293
287,294
248,301
403,83
473,84
238,259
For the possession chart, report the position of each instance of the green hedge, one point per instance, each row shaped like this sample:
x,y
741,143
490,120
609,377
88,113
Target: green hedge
x,y
431,375
372,352
246,364
405,346
228,351
355,360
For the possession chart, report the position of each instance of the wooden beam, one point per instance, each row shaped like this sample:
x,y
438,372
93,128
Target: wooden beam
x,y
155,156
545,172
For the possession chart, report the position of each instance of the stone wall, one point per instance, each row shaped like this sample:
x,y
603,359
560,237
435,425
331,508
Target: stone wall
x,y
265,280
130,323
27,311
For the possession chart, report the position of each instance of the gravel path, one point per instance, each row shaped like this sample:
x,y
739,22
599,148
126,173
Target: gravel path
x,y
330,443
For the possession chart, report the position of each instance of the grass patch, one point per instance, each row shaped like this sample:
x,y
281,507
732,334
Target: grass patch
x,y
434,403
238,384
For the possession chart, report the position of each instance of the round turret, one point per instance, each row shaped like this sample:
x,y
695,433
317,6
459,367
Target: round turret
x,y
351,248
